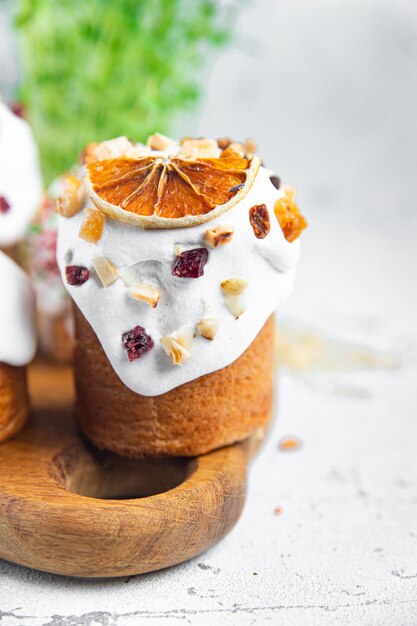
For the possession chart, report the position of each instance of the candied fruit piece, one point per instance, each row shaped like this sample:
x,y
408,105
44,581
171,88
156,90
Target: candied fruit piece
x,y
76,274
259,219
4,205
72,197
137,342
289,216
92,225
190,264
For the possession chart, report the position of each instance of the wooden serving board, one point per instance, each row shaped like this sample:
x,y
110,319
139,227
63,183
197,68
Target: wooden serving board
x,y
66,508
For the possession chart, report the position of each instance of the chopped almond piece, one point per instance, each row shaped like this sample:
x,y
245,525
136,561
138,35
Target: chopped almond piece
x,y
178,345
208,327
288,215
250,146
112,149
199,148
159,142
72,197
236,306
219,235
237,147
137,152
234,286
224,142
92,225
184,139
88,155
145,292
105,270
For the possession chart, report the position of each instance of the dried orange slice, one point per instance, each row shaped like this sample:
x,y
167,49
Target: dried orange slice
x,y
169,191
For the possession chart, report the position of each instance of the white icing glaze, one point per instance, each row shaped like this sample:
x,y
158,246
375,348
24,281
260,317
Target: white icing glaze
x,y
17,314
20,178
267,264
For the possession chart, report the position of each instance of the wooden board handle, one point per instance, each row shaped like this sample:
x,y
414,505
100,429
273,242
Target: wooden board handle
x,y
67,509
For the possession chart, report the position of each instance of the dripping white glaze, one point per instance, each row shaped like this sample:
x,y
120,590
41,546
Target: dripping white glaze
x,y
267,264
17,315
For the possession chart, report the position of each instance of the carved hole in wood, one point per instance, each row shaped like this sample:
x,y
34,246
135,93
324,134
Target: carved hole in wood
x,y
83,470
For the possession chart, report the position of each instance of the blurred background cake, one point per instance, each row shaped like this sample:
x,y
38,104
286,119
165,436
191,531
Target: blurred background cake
x,y
38,253
20,179
17,345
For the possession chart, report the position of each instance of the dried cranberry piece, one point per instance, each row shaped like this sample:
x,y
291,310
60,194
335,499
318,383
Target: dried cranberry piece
x,y
137,342
190,264
236,187
276,181
4,205
259,219
19,109
76,274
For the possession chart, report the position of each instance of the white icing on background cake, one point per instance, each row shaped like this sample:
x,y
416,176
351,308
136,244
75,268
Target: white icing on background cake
x,y
267,264
17,314
20,177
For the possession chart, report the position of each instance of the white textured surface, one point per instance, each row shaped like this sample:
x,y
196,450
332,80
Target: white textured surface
x,y
345,549
338,83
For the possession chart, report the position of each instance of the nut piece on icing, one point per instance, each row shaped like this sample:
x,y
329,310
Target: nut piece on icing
x,y
137,152
144,292
92,225
238,147
208,327
219,235
72,197
250,147
234,286
199,148
236,306
88,155
288,214
105,270
112,149
159,142
178,345
224,142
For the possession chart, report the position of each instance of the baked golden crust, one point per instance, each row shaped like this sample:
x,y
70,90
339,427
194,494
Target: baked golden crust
x,y
207,413
56,340
14,401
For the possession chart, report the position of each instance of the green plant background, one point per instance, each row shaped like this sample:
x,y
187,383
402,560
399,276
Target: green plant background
x,y
95,69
